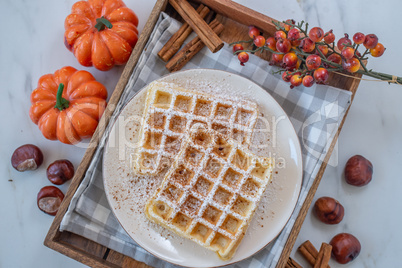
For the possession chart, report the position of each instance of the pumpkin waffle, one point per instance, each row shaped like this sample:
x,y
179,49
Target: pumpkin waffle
x,y
169,113
211,191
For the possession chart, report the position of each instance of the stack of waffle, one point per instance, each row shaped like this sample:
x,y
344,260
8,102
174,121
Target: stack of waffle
x,y
213,182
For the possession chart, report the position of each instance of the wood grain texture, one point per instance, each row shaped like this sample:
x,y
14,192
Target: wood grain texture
x,y
117,258
130,263
235,19
241,14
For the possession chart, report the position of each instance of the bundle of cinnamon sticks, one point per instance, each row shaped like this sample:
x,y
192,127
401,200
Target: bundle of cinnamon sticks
x,y
314,257
207,31
317,259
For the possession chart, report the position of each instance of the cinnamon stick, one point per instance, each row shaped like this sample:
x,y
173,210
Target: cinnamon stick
x,y
323,256
309,252
177,39
291,263
200,27
191,49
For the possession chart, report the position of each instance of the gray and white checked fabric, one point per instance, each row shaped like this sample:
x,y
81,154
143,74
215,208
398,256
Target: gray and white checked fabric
x,y
315,113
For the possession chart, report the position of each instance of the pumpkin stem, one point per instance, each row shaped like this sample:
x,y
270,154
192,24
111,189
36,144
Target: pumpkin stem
x,y
61,103
101,23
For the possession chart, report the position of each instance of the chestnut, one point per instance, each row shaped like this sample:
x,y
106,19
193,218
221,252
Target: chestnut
x,y
328,210
49,199
345,247
358,171
27,157
60,171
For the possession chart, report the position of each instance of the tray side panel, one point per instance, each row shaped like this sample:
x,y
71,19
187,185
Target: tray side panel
x,y
241,14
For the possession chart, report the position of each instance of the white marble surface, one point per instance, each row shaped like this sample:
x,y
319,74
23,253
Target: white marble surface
x,y
32,45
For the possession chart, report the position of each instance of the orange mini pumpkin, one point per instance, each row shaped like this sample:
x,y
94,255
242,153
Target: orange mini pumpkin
x,y
67,105
101,33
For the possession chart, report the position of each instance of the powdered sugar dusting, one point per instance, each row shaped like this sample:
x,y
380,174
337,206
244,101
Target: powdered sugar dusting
x,y
226,208
177,110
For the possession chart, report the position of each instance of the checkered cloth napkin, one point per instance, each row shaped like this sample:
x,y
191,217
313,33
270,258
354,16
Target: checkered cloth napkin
x,y
314,112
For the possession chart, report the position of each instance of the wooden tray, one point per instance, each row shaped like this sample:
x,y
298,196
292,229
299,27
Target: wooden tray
x,y
236,19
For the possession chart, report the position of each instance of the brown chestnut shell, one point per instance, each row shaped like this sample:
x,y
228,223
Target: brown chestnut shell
x,y
358,171
49,199
27,157
60,171
328,210
345,247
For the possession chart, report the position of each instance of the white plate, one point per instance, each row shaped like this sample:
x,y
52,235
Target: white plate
x,y
127,192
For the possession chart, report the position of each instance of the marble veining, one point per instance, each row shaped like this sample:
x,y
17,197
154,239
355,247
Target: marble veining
x,y
32,45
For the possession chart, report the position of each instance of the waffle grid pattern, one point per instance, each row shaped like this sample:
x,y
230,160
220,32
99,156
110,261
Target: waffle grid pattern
x,y
211,192
171,111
